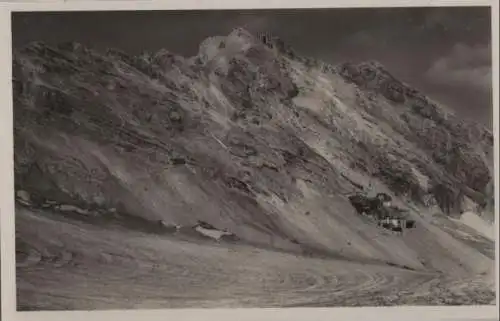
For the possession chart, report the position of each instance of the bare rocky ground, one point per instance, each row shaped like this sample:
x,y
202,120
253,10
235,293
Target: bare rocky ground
x,y
118,158
84,267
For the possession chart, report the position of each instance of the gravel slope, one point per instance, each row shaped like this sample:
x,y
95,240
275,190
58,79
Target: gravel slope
x,y
250,137
85,267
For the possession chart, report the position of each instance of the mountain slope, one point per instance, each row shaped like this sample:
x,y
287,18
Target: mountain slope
x,y
253,138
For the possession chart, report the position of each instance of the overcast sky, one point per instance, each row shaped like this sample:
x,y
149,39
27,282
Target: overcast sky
x,y
445,52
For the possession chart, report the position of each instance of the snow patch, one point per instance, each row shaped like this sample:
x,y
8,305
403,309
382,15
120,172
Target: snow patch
x,y
423,180
478,224
71,208
214,234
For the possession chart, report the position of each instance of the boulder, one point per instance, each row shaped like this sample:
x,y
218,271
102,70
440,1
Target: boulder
x,y
23,197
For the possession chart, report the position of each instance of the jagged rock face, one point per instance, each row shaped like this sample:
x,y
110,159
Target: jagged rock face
x,y
460,152
371,75
246,135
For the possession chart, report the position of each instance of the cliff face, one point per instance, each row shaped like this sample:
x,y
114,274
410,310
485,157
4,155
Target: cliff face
x,y
457,155
248,136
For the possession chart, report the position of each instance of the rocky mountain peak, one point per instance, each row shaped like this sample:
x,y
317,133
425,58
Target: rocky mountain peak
x,y
241,135
373,75
242,33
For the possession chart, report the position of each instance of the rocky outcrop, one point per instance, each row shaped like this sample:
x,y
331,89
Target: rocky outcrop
x,y
456,149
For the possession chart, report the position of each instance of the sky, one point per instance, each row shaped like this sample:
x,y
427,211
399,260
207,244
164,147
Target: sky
x,y
443,51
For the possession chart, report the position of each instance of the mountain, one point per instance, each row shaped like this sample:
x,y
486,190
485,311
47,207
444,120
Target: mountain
x,y
251,137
